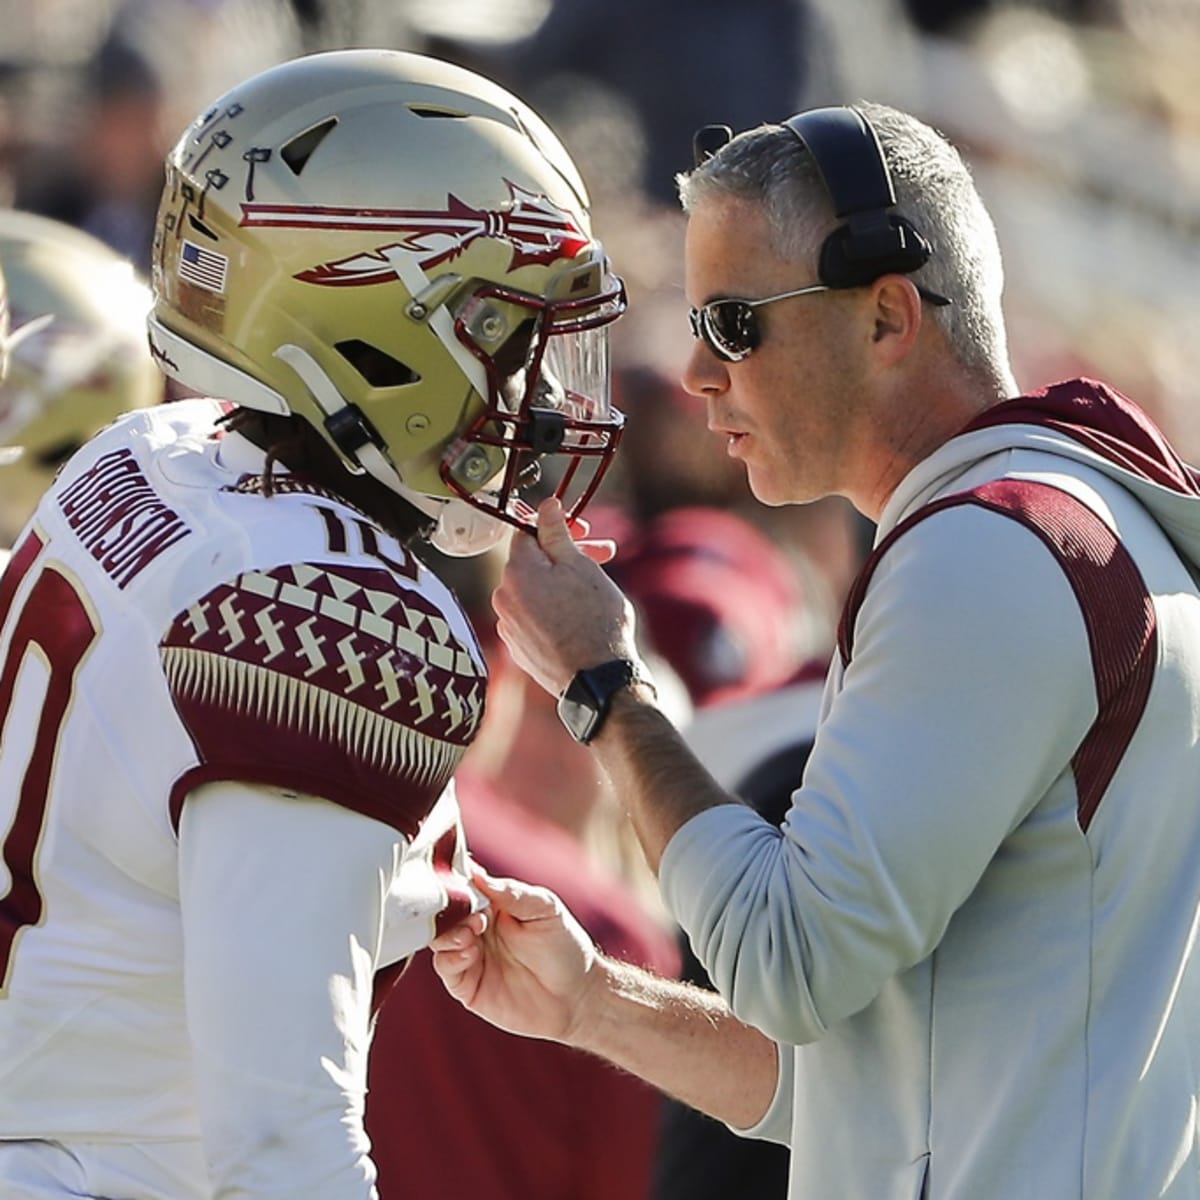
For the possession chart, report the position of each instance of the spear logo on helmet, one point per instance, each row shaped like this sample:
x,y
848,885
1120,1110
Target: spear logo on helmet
x,y
537,229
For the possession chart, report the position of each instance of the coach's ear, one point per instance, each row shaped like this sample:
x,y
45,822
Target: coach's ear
x,y
898,316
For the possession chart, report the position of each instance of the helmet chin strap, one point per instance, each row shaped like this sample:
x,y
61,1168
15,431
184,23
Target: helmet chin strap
x,y
368,456
462,529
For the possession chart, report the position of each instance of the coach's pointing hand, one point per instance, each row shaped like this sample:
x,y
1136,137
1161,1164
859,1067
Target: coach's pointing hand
x,y
558,611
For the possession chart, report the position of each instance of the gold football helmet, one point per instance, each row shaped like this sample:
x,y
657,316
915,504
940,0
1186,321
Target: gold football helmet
x,y
399,252
77,353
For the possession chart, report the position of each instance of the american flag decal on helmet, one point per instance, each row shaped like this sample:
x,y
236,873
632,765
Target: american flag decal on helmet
x,y
538,230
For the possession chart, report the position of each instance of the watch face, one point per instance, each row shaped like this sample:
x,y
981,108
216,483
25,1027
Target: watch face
x,y
584,705
581,719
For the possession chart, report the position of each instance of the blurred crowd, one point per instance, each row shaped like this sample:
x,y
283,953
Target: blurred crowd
x,y
1081,119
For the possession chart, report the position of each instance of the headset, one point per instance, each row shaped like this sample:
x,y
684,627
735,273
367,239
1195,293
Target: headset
x,y
873,239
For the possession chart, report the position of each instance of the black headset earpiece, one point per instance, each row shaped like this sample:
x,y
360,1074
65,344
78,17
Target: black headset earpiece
x,y
874,239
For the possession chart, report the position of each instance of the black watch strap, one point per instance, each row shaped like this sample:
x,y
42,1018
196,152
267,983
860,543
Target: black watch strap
x,y
587,699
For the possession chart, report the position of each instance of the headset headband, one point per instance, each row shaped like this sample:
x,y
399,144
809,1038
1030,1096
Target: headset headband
x,y
873,239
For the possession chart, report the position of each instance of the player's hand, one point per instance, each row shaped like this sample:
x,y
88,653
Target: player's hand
x,y
525,964
558,611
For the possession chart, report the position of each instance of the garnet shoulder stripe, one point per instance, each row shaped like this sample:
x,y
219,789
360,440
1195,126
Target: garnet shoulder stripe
x,y
1117,610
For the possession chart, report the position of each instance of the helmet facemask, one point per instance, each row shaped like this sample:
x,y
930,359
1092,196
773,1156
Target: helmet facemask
x,y
548,427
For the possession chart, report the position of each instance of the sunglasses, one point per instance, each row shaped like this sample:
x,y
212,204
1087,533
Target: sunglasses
x,y
730,329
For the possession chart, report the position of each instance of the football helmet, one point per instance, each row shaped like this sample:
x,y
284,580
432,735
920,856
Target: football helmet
x,y
398,251
76,351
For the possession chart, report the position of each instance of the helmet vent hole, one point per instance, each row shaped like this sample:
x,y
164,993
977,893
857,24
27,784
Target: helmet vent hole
x,y
376,366
427,110
302,147
200,227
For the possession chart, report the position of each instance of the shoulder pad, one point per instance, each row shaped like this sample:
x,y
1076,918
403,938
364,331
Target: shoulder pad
x,y
345,682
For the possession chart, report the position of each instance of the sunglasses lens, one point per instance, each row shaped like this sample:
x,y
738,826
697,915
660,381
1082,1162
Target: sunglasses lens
x,y
732,327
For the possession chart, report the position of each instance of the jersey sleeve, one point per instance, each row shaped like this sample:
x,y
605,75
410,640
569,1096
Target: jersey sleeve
x,y
970,686
282,903
346,682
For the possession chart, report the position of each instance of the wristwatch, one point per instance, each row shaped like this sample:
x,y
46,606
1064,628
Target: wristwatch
x,y
585,702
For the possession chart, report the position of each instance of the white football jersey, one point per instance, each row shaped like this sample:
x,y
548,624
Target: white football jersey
x,y
164,626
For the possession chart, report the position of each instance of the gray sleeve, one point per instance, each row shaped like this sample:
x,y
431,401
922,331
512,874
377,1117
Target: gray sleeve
x,y
970,687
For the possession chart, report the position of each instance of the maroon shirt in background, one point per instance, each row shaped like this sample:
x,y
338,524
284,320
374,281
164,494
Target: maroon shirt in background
x,y
459,1109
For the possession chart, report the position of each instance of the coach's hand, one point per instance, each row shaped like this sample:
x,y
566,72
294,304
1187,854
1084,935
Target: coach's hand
x,y
558,611
525,964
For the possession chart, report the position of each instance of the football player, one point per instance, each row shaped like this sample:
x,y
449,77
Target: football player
x,y
232,699
78,354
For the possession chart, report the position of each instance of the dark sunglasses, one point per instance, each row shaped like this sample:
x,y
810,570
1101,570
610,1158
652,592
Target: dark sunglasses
x,y
730,330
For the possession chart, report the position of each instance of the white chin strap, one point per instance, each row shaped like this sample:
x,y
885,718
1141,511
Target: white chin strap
x,y
462,530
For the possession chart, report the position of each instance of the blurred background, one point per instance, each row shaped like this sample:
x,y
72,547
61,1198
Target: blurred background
x,y
1081,120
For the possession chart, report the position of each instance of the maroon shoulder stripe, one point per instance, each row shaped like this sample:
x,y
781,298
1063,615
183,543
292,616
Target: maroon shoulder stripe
x,y
1116,606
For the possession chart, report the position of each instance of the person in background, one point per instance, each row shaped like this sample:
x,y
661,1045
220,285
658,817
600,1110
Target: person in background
x,y
232,697
965,966
668,458
720,602
676,65
79,356
107,179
